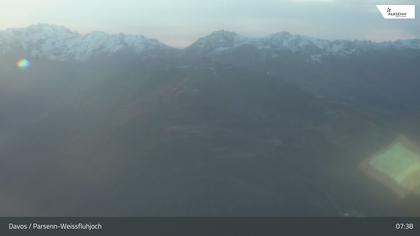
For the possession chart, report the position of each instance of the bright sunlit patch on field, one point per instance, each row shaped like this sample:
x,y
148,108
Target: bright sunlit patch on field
x,y
23,64
396,166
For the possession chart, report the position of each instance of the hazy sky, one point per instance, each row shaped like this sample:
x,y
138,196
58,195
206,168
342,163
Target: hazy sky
x,y
179,22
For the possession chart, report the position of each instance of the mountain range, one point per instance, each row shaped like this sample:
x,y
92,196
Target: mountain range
x,y
122,125
60,43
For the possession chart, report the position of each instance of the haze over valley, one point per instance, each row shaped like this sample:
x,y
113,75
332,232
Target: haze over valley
x,y
104,124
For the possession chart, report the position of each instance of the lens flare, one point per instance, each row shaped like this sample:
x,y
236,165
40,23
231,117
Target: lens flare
x,y
397,166
23,64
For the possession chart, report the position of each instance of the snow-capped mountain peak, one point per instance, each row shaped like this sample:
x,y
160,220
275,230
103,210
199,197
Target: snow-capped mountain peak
x,y
313,48
218,41
60,43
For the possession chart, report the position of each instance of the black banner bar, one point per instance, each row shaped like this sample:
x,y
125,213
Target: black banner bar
x,y
209,226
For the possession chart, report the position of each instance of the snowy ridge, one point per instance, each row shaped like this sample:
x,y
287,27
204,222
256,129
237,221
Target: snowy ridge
x,y
59,43
220,41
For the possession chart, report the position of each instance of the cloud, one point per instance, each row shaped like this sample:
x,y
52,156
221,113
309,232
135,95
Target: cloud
x,y
389,34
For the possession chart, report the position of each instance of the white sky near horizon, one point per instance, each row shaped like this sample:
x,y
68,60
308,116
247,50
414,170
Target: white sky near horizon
x,y
180,22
